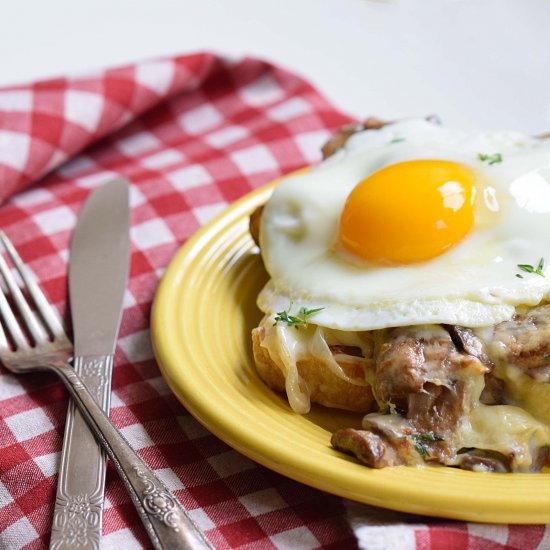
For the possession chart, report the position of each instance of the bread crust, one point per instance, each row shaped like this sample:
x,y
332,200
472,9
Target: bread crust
x,y
324,386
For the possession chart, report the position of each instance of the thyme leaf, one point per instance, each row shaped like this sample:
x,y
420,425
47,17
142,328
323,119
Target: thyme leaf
x,y
420,440
490,159
421,449
430,436
301,320
539,270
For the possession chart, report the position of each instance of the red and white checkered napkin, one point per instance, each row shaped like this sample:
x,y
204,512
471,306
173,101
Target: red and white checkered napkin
x,y
192,134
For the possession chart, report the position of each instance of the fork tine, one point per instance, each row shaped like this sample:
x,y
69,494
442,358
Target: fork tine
x,y
4,346
48,313
11,324
3,341
37,332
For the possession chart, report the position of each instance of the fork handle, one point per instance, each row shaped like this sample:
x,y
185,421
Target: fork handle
x,y
168,525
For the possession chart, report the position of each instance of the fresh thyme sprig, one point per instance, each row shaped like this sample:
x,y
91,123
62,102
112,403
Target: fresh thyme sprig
x,y
301,320
490,159
530,269
421,439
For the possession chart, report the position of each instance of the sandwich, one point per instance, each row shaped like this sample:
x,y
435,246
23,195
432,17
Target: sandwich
x,y
408,284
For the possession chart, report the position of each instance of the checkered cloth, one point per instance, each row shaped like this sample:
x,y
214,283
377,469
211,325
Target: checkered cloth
x,y
192,134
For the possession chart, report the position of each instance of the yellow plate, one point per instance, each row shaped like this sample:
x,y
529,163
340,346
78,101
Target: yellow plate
x,y
202,316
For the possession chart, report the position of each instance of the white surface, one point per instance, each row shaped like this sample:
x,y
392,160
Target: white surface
x,y
481,63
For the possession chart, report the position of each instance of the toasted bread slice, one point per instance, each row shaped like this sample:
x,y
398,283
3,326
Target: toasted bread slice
x,y
325,387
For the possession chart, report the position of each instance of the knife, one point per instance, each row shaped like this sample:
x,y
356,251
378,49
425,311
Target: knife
x,y
98,273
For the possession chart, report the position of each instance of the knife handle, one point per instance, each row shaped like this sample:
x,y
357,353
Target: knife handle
x,y
77,517
168,524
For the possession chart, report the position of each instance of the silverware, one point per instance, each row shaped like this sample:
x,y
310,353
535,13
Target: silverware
x,y
47,348
98,273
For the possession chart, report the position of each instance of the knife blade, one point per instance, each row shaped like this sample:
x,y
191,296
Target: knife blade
x,y
98,274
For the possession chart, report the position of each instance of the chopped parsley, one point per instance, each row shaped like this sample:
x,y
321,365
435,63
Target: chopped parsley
x,y
420,441
301,320
490,159
531,269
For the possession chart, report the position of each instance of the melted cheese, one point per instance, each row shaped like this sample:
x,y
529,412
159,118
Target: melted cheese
x,y
517,431
287,346
506,429
526,392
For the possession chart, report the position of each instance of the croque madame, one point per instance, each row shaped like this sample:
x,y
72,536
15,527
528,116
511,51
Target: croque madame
x,y
408,283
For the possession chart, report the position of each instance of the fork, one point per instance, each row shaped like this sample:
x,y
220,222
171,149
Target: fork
x,y
33,340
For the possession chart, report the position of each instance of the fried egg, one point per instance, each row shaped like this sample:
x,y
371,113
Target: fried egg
x,y
412,224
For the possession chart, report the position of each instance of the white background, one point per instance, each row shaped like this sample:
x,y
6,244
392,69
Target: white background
x,y
476,63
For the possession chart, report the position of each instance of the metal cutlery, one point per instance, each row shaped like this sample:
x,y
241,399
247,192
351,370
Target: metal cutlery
x,y
33,339
98,273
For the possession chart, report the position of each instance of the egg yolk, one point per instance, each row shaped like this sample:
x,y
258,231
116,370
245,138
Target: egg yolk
x,y
408,212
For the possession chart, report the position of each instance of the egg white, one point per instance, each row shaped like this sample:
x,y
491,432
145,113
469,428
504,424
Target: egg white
x,y
472,284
